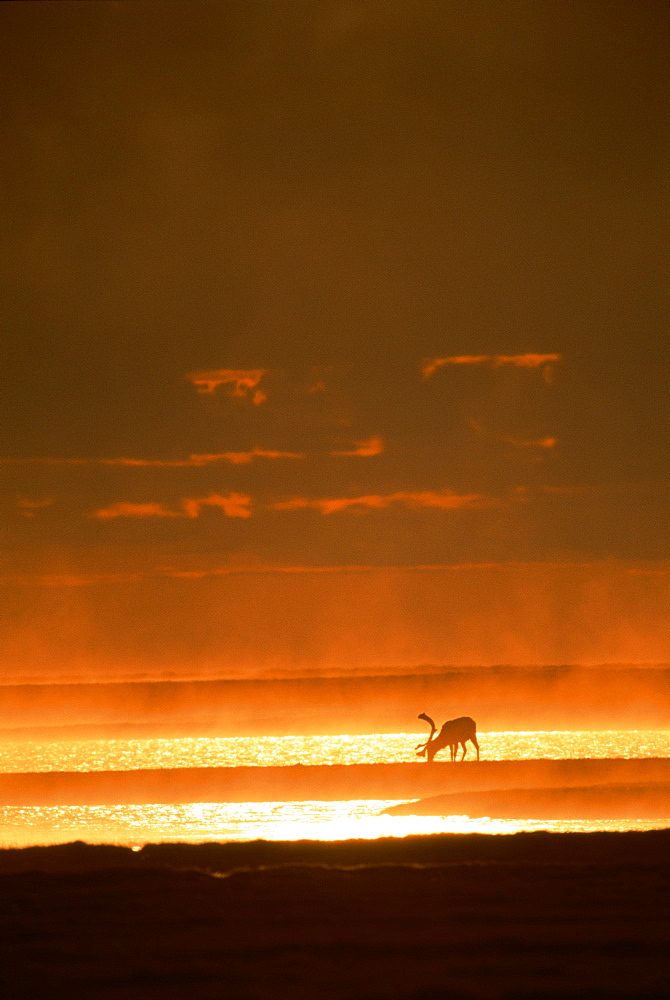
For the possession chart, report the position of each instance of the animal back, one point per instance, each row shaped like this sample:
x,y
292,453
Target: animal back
x,y
463,727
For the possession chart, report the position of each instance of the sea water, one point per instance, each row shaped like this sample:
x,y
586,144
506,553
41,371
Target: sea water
x,y
269,751
134,825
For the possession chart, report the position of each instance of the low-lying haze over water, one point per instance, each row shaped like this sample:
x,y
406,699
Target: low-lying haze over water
x,y
504,697
327,757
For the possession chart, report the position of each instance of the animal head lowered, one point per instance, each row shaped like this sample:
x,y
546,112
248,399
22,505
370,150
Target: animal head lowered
x,y
454,733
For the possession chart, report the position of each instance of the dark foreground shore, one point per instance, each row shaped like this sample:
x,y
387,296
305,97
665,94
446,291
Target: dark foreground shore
x,y
421,918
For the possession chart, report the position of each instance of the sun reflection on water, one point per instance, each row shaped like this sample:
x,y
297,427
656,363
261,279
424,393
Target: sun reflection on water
x,y
134,825
199,822
268,751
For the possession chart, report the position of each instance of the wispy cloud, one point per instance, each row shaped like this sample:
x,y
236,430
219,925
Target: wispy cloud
x,y
317,382
592,490
240,569
515,442
244,457
194,461
525,360
241,383
233,505
70,579
545,442
363,449
315,387
427,498
28,507
655,570
262,569
142,510
431,365
585,489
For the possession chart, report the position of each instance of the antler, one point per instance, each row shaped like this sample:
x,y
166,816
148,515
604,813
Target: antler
x,y
422,746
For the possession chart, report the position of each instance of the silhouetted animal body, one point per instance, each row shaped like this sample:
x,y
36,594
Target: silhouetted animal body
x,y
453,734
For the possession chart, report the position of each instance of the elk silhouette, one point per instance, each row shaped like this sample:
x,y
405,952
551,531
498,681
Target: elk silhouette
x,y
454,733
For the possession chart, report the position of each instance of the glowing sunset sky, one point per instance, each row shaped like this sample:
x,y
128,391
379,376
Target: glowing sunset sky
x,y
335,335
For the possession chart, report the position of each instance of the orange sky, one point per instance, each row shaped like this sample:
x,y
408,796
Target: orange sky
x,y
335,334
